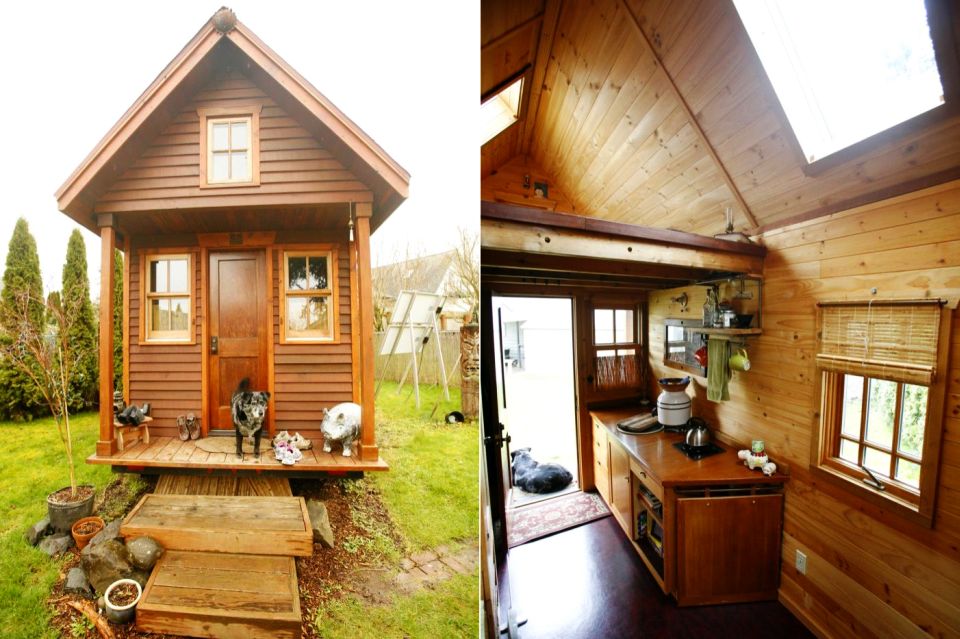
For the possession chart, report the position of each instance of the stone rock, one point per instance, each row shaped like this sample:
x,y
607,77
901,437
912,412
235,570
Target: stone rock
x,y
36,532
320,520
141,577
105,563
77,583
110,531
144,552
56,544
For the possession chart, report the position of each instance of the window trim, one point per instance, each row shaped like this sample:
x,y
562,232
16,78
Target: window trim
x,y
827,466
210,114
144,338
314,250
640,344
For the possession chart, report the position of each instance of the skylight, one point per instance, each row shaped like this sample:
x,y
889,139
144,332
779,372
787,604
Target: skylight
x,y
844,71
500,111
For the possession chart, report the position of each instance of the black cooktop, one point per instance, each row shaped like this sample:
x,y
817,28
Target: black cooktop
x,y
697,453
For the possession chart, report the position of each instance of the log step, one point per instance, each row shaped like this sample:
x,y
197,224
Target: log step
x,y
221,595
227,524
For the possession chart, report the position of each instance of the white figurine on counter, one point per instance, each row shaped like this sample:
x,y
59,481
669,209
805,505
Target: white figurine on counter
x,y
757,458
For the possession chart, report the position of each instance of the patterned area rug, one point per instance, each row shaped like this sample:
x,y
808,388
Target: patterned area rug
x,y
548,517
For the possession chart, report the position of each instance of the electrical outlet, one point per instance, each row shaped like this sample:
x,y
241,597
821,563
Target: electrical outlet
x,y
801,563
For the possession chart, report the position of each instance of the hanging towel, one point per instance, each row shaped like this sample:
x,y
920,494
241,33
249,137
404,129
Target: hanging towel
x,y
718,370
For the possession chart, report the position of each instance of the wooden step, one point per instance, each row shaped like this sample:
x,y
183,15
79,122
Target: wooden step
x,y
222,595
242,525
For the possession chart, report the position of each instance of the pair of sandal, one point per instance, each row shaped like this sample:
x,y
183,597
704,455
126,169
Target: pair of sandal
x,y
188,426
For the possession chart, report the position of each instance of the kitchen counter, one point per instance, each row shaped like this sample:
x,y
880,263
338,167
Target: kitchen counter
x,y
672,468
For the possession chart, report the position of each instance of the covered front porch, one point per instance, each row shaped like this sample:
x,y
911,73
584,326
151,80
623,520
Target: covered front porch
x,y
164,454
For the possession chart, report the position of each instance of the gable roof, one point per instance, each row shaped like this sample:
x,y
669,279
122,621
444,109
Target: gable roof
x,y
427,273
221,37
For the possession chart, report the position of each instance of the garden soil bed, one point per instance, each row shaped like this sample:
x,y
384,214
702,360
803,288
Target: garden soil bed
x,y
330,573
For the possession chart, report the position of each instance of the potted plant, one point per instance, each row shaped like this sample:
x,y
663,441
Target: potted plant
x,y
37,343
84,529
121,599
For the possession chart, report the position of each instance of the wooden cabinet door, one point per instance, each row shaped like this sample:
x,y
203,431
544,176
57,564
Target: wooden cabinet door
x,y
728,549
621,495
601,468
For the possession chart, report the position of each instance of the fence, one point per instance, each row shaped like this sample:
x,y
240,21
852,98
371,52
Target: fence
x,y
427,361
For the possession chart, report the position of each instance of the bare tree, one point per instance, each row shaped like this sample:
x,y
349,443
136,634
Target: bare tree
x,y
46,356
465,282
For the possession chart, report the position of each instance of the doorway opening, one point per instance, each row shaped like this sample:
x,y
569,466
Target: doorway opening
x,y
537,386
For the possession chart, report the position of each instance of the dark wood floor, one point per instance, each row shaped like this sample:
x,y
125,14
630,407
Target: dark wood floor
x,y
587,582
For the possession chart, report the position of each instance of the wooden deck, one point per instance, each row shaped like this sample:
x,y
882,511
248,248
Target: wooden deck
x,y
170,452
201,594
217,523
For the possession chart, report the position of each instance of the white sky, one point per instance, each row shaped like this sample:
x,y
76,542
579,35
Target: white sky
x,y
406,72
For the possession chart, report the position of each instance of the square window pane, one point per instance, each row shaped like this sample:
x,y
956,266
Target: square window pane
x,y
178,276
624,326
881,403
852,405
239,135
603,326
220,141
308,317
158,276
675,334
239,169
318,272
877,461
850,451
913,419
296,273
179,313
220,167
908,472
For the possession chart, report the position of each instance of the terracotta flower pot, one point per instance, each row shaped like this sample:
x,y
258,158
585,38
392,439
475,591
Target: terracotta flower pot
x,y
83,538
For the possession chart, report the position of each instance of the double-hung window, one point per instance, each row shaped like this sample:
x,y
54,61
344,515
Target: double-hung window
x,y
309,299
617,347
166,299
883,369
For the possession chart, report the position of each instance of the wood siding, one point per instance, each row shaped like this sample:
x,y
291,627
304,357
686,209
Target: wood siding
x,y
311,377
166,375
869,574
294,168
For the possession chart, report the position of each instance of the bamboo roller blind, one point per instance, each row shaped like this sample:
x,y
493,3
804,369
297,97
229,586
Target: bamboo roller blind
x,y
892,339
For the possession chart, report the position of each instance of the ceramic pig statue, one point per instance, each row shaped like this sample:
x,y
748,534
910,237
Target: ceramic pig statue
x,y
341,424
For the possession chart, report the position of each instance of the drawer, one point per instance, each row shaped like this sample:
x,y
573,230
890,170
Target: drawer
x,y
649,479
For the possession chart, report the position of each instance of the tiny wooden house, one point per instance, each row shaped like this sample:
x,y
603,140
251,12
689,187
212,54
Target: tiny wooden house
x,y
243,201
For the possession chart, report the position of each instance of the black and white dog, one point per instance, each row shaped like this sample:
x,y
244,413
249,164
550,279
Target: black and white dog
x,y
249,409
535,477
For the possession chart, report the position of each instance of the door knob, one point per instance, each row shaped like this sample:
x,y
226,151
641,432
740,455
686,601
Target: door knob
x,y
214,344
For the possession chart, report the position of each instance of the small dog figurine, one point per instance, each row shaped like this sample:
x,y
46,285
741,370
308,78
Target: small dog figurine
x,y
249,409
341,424
535,477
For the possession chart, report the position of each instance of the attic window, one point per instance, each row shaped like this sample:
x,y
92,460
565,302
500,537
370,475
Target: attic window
x,y
500,110
845,71
229,146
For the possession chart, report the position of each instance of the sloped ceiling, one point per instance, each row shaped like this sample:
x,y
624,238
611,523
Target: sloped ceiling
x,y
658,113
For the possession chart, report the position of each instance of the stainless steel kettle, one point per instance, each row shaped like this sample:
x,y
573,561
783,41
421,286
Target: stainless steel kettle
x,y
697,432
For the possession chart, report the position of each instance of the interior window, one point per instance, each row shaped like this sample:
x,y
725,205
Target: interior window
x,y
617,348
844,71
500,111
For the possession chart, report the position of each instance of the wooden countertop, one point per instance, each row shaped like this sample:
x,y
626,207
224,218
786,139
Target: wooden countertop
x,y
671,467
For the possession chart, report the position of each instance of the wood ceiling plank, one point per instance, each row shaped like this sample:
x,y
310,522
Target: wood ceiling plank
x,y
625,80
588,265
597,92
498,17
665,20
548,29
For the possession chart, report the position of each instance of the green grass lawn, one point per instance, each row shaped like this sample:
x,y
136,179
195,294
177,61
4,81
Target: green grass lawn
x,y
33,464
431,493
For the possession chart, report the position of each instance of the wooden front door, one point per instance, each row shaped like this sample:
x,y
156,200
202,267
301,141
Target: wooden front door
x,y
238,329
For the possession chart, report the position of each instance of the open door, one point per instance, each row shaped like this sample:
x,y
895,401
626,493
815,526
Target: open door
x,y
238,323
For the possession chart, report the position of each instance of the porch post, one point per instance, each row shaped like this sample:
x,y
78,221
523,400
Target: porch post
x,y
106,445
368,446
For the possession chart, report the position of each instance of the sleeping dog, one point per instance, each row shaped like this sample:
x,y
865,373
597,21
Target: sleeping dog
x,y
249,409
535,477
